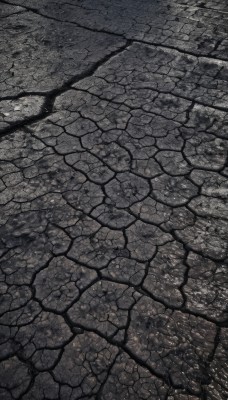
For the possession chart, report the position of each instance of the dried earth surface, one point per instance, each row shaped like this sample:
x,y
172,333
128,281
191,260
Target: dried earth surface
x,y
114,200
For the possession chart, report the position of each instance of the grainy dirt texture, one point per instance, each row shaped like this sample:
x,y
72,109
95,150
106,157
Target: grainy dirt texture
x,y
114,188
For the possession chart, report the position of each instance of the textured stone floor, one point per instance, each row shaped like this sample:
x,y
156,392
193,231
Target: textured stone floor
x,y
114,188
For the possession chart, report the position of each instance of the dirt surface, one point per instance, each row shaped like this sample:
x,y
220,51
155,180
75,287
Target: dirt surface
x,y
114,188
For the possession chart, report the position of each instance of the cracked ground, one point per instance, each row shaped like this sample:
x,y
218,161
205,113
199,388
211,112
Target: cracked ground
x,y
114,188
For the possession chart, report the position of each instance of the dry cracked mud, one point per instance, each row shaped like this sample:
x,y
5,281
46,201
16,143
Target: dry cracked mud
x,y
114,200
